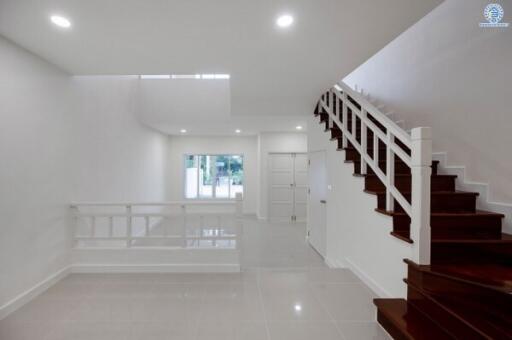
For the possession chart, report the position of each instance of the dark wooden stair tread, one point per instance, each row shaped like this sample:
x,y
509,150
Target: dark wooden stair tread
x,y
406,321
505,239
445,214
402,235
493,276
439,193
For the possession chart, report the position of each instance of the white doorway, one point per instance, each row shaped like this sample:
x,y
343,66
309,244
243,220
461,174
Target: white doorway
x,y
288,176
317,227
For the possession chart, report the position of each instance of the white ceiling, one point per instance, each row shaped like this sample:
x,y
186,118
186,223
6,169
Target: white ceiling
x,y
273,71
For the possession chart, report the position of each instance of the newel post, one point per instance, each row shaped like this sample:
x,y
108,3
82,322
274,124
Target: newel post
x,y
421,169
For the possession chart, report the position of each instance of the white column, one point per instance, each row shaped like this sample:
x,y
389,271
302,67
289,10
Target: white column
x,y
421,162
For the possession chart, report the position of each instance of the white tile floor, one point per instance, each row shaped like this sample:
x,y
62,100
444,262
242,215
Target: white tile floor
x,y
284,292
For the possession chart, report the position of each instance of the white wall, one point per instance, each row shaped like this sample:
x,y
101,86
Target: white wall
x,y
63,139
116,157
182,145
35,177
269,143
448,73
357,236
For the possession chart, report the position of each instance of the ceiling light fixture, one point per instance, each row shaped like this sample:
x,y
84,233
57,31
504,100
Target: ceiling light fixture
x,y
183,131
298,127
60,21
238,131
284,21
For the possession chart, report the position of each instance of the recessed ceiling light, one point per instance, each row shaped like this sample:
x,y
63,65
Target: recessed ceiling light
x,y
285,20
60,21
298,127
183,131
238,131
297,307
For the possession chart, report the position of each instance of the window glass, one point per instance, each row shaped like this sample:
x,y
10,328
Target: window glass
x,y
206,169
237,176
191,176
213,176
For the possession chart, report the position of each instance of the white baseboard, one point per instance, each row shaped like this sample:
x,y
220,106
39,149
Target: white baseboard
x,y
155,268
33,292
484,201
377,289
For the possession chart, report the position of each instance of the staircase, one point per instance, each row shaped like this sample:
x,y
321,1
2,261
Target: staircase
x,y
462,290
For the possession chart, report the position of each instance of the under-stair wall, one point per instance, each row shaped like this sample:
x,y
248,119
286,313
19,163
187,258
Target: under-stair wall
x,y
357,236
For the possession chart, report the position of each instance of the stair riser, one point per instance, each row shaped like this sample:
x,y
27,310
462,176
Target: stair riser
x,y
404,184
442,253
447,321
494,304
456,227
439,203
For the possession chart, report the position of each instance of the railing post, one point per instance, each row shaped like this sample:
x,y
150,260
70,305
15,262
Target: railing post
x,y
345,119
338,107
390,171
330,95
129,226
74,232
421,169
184,230
239,222
111,226
364,140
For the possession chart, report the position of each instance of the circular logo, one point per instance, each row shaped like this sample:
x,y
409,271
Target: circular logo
x,y
494,13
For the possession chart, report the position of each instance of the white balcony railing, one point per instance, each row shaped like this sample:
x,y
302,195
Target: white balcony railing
x,y
414,149
184,224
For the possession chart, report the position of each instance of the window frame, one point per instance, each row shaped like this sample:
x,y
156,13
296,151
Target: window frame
x,y
214,191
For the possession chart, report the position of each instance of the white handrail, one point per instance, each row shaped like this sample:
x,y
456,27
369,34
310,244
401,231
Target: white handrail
x,y
376,113
92,216
158,204
418,143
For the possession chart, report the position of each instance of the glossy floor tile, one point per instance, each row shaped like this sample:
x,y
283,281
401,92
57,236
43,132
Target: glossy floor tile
x,y
284,292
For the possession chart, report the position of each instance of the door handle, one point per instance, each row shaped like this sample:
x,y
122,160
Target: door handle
x,y
323,201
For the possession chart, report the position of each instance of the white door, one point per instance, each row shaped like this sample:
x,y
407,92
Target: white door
x,y
288,187
317,228
301,187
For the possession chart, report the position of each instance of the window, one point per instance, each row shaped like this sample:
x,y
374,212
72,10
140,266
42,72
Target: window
x,y
213,176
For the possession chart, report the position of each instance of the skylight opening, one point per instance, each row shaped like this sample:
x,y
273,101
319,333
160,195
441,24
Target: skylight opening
x,y
208,76
155,76
185,76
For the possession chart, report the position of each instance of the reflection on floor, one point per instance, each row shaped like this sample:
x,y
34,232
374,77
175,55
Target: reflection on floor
x,y
284,292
